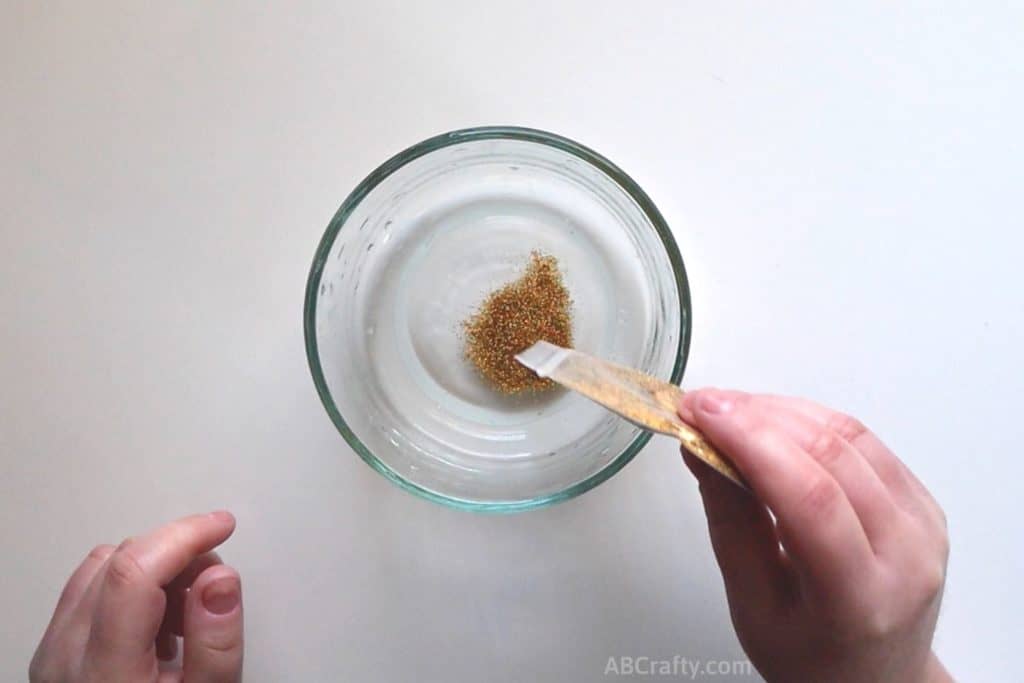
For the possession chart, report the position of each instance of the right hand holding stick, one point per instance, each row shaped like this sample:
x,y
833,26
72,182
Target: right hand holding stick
x,y
844,584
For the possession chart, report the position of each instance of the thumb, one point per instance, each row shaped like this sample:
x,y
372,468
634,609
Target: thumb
x,y
213,627
743,535
744,540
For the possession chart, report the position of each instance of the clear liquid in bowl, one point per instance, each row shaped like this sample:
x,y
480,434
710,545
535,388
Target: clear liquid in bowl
x,y
416,258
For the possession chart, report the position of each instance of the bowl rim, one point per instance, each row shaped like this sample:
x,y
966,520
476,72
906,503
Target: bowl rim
x,y
456,137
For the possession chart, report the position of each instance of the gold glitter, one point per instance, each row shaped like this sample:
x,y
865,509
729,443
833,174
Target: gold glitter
x,y
534,307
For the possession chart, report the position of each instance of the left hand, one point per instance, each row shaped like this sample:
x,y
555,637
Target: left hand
x,y
123,609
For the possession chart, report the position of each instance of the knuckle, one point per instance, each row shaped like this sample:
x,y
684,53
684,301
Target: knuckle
x,y
762,433
869,616
921,594
821,498
932,579
877,626
70,590
944,546
848,428
224,644
182,534
826,448
36,673
123,569
101,552
42,669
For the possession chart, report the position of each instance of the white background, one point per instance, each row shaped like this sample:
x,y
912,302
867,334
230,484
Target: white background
x,y
844,180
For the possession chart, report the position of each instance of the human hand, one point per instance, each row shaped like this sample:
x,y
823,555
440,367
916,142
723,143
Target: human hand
x,y
123,609
845,583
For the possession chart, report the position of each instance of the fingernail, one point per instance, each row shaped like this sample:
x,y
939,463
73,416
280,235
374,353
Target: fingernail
x,y
223,516
714,403
222,596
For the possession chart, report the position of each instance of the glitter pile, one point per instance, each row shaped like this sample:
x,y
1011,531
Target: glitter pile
x,y
534,307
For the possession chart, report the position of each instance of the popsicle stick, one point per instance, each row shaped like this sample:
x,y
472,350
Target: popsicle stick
x,y
645,401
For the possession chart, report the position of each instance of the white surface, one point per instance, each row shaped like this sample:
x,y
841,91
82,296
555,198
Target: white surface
x,y
844,180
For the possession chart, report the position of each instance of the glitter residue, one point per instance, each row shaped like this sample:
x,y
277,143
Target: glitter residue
x,y
534,307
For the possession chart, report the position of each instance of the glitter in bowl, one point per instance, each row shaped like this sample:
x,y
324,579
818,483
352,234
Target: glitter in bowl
x,y
535,307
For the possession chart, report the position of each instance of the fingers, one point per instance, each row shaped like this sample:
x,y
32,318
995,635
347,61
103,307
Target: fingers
x,y
816,521
744,540
167,551
870,498
125,621
177,589
174,612
58,631
904,487
78,583
213,627
130,603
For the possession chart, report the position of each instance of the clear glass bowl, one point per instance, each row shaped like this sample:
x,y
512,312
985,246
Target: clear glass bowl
x,y
413,251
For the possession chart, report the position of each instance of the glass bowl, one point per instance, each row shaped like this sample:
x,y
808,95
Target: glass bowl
x,y
411,254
